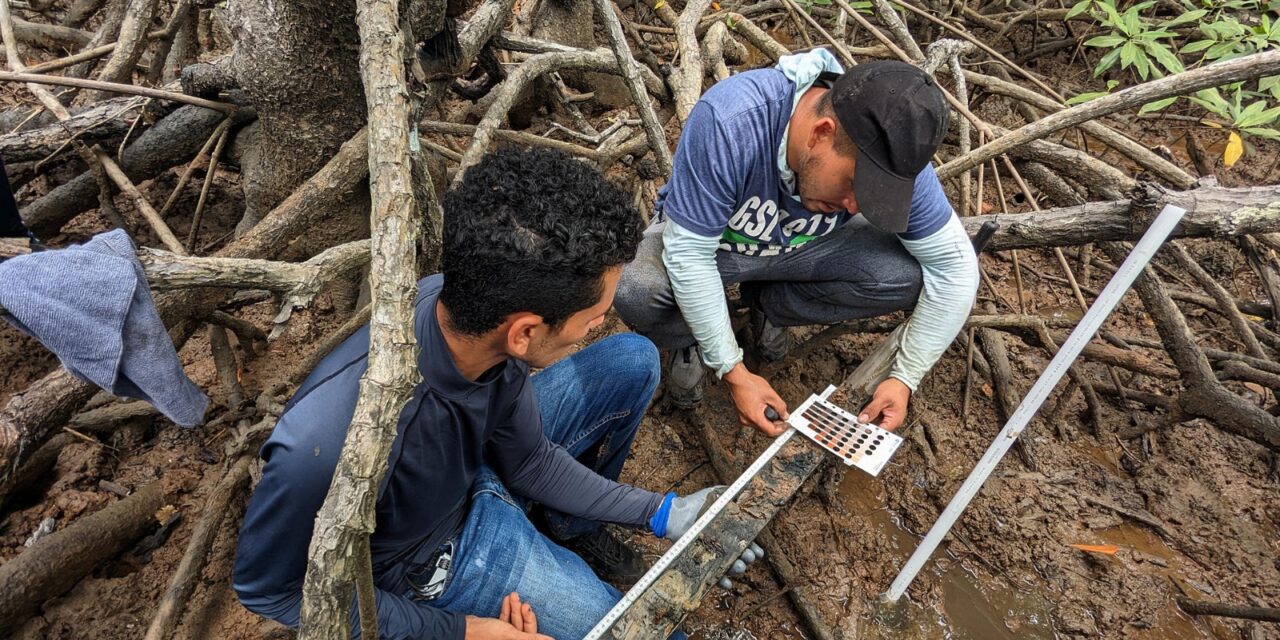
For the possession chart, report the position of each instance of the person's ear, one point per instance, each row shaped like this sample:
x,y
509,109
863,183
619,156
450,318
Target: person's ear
x,y
522,330
822,132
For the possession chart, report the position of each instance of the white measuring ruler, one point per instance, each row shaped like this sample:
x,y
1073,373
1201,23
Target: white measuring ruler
x,y
651,576
826,425
1128,271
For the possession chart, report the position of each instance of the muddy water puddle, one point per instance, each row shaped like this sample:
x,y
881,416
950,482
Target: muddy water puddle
x,y
969,608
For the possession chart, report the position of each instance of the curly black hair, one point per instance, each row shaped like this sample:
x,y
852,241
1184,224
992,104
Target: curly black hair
x,y
531,230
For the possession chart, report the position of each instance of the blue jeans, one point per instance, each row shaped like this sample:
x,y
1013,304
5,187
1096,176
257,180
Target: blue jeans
x,y
591,404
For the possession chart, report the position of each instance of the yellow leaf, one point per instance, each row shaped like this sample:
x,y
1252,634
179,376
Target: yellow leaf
x,y
715,6
1109,549
1235,148
659,4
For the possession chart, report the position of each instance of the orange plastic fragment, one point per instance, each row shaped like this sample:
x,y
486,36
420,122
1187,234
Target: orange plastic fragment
x,y
1109,549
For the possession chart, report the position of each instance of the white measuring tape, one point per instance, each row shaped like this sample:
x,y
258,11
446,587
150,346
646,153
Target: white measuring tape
x,y
678,548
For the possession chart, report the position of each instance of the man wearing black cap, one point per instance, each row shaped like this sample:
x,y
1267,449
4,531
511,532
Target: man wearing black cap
x,y
811,188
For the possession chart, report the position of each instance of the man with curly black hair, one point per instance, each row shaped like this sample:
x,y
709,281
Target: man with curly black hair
x,y
534,243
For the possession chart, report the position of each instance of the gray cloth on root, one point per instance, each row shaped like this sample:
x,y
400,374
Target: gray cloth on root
x,y
90,305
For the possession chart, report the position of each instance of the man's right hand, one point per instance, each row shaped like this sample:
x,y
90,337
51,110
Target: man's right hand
x,y
515,622
751,395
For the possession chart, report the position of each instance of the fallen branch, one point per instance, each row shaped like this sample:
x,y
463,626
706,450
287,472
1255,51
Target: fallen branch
x,y
183,582
116,87
100,122
686,79
58,561
626,65
1139,153
1212,211
337,557
131,41
1244,68
1241,611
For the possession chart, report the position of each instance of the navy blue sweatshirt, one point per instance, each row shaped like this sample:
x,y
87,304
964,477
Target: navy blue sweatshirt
x,y
449,427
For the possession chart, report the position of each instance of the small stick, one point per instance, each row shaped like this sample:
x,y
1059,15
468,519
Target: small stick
x,y
191,166
183,582
1017,264
208,183
844,51
116,87
1243,612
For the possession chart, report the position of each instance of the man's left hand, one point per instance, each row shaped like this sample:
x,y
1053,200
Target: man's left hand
x,y
685,510
888,406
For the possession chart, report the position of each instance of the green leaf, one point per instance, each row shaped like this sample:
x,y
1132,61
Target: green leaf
x,y
1188,17
1219,50
1128,53
1113,17
1261,117
1105,41
1085,97
1270,84
1143,63
1130,23
1165,57
1079,8
1198,45
1106,62
1157,105
1261,132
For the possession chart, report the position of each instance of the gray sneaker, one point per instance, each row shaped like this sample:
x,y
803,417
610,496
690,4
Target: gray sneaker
x,y
684,377
772,342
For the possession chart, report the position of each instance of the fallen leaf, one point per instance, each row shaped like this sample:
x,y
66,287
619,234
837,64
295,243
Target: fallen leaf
x,y
987,390
164,513
1109,549
1235,148
659,4
715,6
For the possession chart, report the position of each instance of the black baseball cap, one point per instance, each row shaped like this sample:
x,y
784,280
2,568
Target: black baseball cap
x,y
896,116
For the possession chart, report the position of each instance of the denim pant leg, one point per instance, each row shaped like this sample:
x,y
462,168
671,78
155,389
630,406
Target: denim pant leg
x,y
592,403
856,271
499,551
645,300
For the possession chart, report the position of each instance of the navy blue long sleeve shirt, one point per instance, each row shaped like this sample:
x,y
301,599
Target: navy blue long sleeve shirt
x,y
449,427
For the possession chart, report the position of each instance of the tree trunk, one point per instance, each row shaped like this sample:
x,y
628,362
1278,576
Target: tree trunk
x,y
295,61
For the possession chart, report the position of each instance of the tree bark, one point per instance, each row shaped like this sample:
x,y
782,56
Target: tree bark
x,y
1212,211
1243,68
293,58
57,562
347,517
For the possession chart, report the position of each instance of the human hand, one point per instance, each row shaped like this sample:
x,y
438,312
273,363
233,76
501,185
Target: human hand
x,y
888,406
516,621
685,510
518,614
751,395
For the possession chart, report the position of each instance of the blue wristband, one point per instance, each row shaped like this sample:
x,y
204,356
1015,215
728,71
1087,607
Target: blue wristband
x,y
658,523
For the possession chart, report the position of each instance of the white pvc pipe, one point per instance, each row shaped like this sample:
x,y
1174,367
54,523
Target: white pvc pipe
x,y
1089,325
